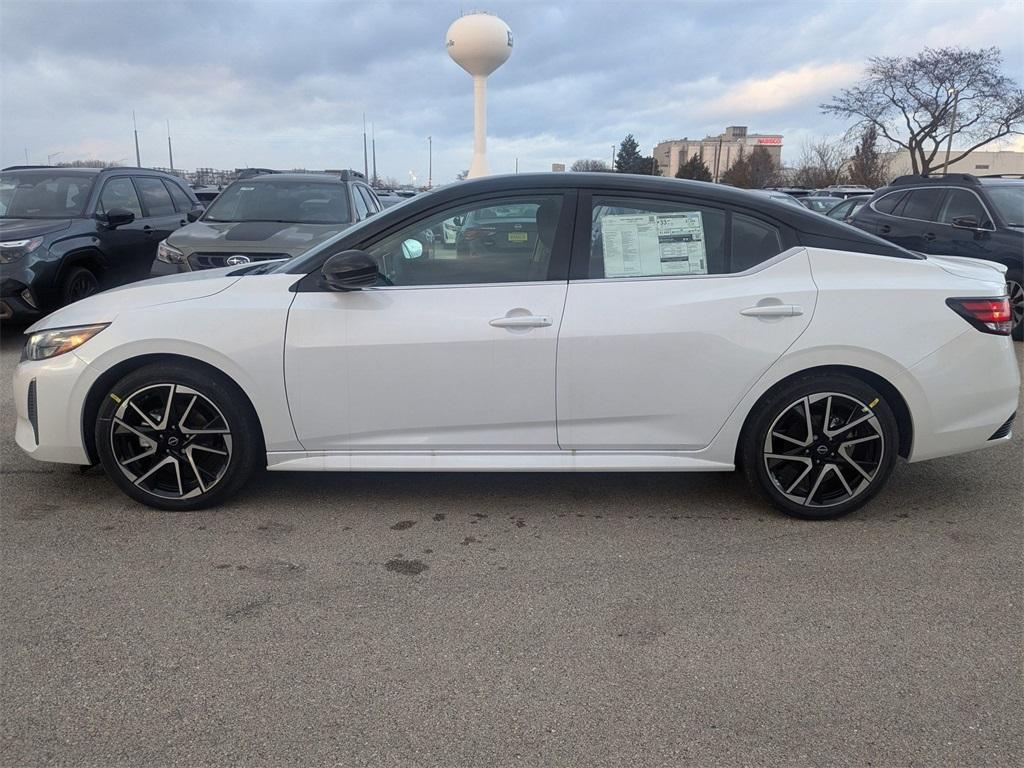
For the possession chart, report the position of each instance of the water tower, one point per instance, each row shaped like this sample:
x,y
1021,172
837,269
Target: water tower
x,y
479,43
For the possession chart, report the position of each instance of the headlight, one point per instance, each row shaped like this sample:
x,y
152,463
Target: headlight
x,y
169,254
45,344
12,250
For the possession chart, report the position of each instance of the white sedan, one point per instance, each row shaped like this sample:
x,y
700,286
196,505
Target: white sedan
x,y
614,323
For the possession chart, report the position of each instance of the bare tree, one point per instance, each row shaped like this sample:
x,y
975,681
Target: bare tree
x,y
920,102
754,171
88,164
821,164
583,165
462,175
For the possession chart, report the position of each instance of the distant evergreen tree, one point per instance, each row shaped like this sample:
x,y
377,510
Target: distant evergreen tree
x,y
628,159
694,168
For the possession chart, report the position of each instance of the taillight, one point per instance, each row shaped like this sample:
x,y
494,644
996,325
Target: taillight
x,y
987,315
477,233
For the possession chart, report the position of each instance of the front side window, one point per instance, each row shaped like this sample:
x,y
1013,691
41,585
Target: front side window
x,y
498,241
960,203
119,193
653,238
362,211
155,199
43,194
296,202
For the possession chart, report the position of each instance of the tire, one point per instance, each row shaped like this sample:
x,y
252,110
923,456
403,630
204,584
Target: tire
x,y
78,283
817,474
1015,290
193,454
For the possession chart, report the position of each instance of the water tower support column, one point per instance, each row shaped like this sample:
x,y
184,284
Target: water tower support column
x,y
479,165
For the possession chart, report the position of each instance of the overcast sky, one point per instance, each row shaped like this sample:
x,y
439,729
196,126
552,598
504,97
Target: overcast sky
x,y
285,83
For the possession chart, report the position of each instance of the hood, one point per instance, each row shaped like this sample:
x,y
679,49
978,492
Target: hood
x,y
20,229
105,306
271,236
972,269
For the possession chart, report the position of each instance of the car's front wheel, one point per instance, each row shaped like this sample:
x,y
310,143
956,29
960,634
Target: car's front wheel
x,y
1015,290
176,437
821,446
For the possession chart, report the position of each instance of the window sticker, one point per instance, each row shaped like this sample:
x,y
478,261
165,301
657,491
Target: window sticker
x,y
655,244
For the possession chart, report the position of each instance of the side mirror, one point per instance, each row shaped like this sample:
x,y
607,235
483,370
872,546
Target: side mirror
x,y
966,222
458,221
116,217
413,249
350,271
194,214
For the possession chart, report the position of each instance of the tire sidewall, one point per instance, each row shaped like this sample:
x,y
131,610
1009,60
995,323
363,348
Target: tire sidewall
x,y
1017,277
69,278
246,439
770,407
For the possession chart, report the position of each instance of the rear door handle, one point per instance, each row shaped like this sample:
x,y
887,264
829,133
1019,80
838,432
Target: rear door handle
x,y
522,321
148,230
928,236
885,229
773,310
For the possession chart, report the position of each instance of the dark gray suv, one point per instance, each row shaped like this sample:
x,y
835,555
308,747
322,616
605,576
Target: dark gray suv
x,y
266,217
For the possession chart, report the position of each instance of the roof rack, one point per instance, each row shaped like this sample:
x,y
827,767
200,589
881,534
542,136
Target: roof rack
x,y
934,177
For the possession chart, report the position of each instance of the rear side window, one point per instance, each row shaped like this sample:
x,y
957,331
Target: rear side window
x,y
362,211
119,193
371,204
178,196
887,203
155,199
961,203
921,204
654,238
753,242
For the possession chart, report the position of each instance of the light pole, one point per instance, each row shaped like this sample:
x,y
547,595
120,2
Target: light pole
x,y
952,124
430,162
50,157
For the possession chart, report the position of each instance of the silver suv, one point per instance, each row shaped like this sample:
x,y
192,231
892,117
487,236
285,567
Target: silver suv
x,y
271,216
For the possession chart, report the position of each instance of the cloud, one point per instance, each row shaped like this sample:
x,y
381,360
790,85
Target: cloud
x,y
285,84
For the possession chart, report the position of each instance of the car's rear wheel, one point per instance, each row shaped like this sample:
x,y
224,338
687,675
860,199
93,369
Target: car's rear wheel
x,y
177,438
1015,290
78,283
821,446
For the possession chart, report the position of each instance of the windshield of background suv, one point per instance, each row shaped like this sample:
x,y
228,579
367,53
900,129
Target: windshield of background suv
x,y
43,194
1009,201
294,202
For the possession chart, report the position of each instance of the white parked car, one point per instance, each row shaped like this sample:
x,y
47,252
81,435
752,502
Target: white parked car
x,y
616,323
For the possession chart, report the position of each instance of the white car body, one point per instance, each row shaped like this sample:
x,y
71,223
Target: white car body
x,y
419,379
614,322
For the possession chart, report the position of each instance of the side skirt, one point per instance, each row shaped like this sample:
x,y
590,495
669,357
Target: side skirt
x,y
491,461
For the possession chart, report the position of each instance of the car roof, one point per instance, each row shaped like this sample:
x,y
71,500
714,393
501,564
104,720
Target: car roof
x,y
326,178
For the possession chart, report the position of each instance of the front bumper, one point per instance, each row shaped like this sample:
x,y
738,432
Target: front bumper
x,y
18,301
162,268
61,386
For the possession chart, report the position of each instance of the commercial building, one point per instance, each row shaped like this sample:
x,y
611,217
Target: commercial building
x,y
717,152
980,163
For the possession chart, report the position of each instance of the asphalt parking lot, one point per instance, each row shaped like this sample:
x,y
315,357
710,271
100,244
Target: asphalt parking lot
x,y
482,619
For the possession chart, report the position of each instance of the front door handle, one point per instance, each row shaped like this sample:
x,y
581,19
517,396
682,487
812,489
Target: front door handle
x,y
773,310
522,321
929,236
885,229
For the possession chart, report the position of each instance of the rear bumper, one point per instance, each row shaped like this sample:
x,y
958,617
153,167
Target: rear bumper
x,y
962,395
54,432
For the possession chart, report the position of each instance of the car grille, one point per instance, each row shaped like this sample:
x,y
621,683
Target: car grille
x,y
33,410
1005,429
214,260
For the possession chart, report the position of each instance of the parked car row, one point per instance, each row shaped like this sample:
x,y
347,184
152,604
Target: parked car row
x,y
66,233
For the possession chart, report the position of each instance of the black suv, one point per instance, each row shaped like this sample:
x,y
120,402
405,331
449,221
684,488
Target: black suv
x,y
66,233
979,217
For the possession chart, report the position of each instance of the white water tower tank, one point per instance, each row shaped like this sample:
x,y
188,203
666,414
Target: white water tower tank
x,y
479,43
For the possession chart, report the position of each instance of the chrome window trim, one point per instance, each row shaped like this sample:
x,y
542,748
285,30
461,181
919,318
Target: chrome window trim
x,y
988,213
777,258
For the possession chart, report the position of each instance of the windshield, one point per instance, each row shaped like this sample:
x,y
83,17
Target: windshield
x,y
43,194
1009,201
294,202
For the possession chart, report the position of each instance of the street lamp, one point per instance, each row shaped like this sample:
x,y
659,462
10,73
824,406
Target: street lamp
x,y
952,124
430,162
